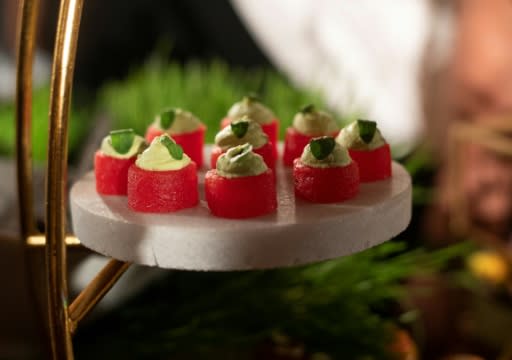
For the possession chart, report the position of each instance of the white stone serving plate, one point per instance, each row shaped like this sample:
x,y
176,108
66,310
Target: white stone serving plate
x,y
193,239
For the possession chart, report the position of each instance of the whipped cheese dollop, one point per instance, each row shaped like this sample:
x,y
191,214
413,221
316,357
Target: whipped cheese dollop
x,y
137,146
254,135
339,156
240,161
158,157
350,137
252,108
314,122
181,121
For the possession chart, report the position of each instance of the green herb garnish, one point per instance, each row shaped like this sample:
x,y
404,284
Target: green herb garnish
x,y
240,128
238,152
367,130
122,140
174,149
252,97
322,147
167,118
308,109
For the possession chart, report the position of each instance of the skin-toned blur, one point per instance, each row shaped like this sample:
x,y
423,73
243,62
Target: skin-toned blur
x,y
481,68
478,88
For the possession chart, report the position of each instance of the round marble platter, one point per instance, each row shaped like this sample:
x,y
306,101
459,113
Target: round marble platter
x,y
193,239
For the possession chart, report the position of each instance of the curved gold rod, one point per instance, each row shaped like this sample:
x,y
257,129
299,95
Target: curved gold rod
x,y
95,291
60,98
28,12
26,42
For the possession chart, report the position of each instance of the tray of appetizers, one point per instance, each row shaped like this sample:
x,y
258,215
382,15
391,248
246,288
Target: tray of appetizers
x,y
170,201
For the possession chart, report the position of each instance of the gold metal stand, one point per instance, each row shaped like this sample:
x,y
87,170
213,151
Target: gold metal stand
x,y
63,319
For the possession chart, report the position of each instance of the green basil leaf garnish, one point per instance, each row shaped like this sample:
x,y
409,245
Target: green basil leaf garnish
x,y
322,147
238,152
174,149
308,109
240,128
252,96
167,118
122,140
366,130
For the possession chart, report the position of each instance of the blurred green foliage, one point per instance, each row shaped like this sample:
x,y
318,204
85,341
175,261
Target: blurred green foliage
x,y
421,166
207,90
78,127
329,307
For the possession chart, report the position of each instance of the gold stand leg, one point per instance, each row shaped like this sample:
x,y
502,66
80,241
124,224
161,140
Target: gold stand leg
x,y
26,42
60,99
95,291
27,23
62,320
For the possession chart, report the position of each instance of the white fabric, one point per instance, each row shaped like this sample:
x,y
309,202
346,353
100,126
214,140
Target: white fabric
x,y
41,74
364,55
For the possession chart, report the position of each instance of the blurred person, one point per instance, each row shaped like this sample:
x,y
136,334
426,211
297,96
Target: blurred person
x,y
477,82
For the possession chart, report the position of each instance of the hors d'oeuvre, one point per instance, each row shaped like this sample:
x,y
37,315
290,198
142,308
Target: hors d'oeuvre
x,y
308,123
163,178
240,132
368,149
241,186
117,153
252,107
185,128
325,173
